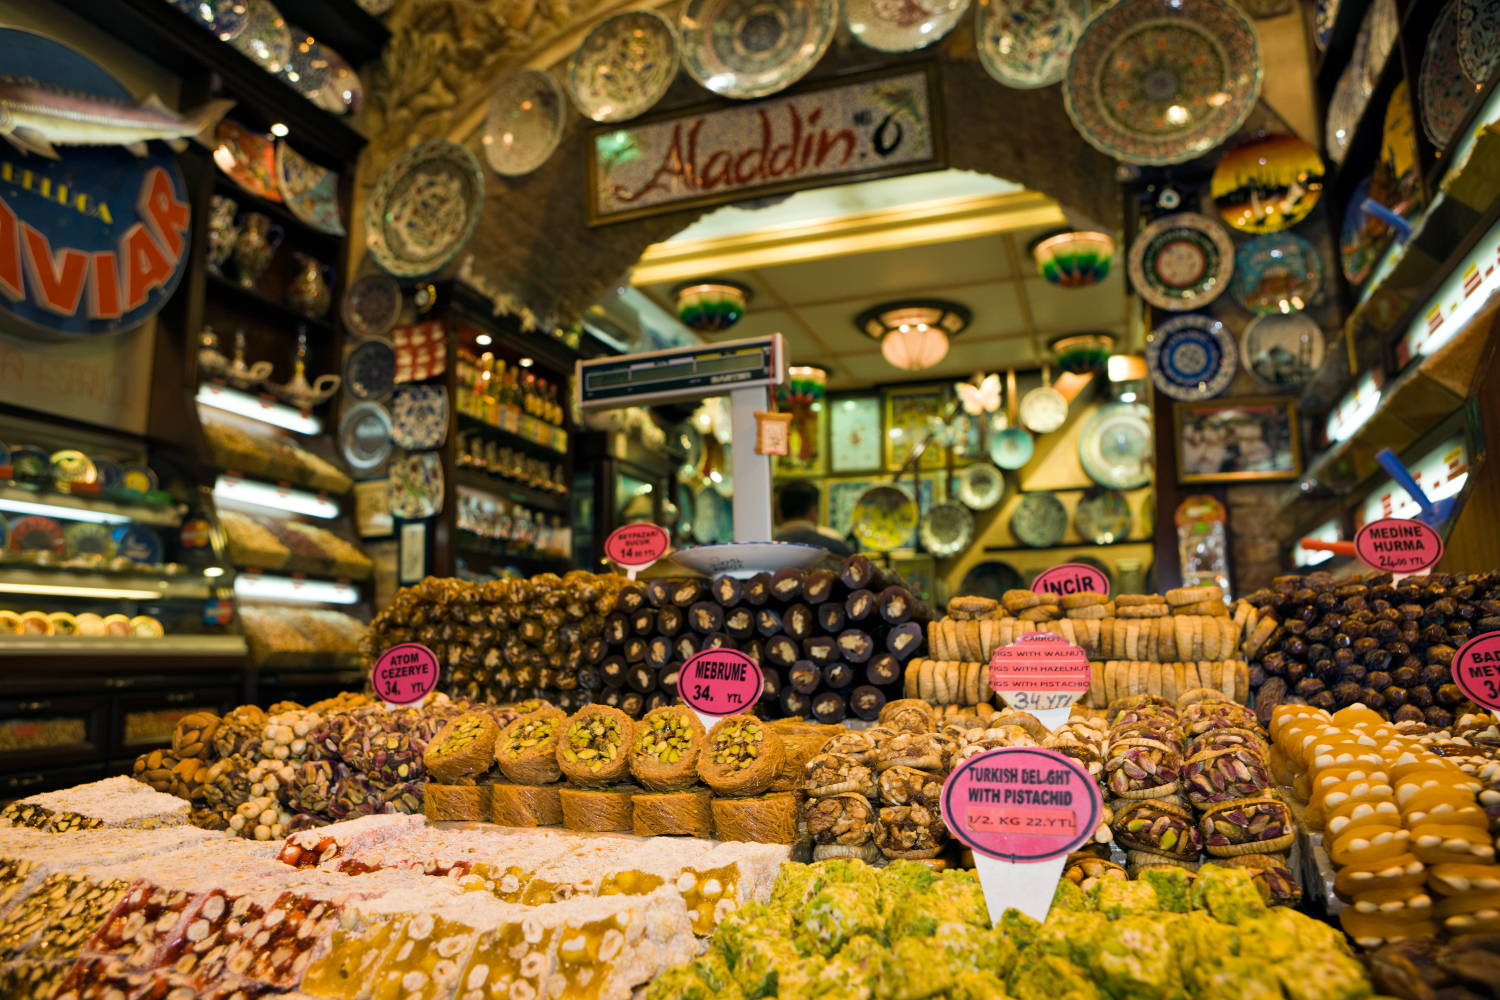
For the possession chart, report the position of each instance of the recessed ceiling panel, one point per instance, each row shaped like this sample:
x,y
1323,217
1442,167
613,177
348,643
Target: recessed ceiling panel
x,y
891,273
1100,306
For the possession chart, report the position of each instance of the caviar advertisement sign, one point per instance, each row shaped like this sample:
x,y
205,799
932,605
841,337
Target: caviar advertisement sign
x,y
875,125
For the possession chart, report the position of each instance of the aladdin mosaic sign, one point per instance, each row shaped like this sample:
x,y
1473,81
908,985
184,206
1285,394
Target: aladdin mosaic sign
x,y
870,126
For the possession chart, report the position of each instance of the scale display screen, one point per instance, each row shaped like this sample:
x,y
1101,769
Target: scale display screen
x,y
682,373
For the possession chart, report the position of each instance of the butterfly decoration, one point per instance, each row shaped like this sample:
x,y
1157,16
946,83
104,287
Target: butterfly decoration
x,y
981,398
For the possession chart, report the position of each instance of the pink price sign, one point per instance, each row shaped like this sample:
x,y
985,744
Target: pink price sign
x,y
1022,804
1398,545
1040,661
720,682
1071,578
636,546
405,674
1476,669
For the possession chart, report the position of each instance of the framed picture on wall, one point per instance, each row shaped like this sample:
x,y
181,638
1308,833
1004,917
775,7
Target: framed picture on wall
x,y
854,434
908,411
1237,440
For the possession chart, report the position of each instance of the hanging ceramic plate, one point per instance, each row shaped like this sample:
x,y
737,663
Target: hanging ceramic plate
x,y
1102,517
1011,447
247,158
1345,108
946,529
85,539
343,93
1026,43
1043,410
1397,169
991,579
370,368
365,436
751,48
110,474
72,466
1114,447
371,306
1479,39
981,486
1276,273
140,478
29,463
139,544
36,534
742,560
713,517
424,208
1192,357
1156,82
903,25
624,66
1040,520
1363,238
415,488
1181,262
310,191
884,517
1446,92
1283,351
265,37
1324,13
528,112
1382,24
306,68
1267,184
419,416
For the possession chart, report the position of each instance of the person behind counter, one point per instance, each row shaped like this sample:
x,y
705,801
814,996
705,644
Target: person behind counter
x,y
798,504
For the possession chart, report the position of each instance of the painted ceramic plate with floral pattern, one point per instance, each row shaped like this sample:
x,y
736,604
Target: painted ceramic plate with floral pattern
x,y
946,529
265,38
1040,520
371,306
527,115
1181,262
1446,93
1114,447
902,25
1102,516
1162,81
247,158
424,208
419,416
370,368
1282,350
1479,38
415,489
1026,43
1192,357
1276,273
751,48
309,190
365,436
624,66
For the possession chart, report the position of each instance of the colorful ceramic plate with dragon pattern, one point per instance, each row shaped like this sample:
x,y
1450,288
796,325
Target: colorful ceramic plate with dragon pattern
x,y
1026,43
624,66
1162,81
1181,262
424,208
751,48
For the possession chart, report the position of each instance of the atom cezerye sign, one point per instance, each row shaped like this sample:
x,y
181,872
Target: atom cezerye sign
x,y
405,674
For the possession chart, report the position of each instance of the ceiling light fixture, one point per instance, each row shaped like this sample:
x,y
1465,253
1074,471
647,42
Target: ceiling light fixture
x,y
710,305
914,333
1074,259
1083,353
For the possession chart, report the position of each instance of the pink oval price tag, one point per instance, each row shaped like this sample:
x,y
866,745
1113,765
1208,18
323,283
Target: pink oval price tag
x,y
1022,804
1476,669
1398,545
1071,578
720,682
405,674
636,546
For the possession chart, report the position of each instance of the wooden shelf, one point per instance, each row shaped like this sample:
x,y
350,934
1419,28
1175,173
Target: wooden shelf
x,y
251,299
249,201
530,496
510,440
355,34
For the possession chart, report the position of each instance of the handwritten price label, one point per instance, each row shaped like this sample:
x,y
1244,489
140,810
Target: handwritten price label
x,y
1398,545
720,682
636,546
1476,670
1072,578
405,674
1022,804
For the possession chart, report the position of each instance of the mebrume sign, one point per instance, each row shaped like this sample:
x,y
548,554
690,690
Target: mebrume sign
x,y
824,134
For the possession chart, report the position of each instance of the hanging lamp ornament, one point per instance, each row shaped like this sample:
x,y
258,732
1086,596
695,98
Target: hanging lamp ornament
x,y
1074,259
1083,353
711,305
914,333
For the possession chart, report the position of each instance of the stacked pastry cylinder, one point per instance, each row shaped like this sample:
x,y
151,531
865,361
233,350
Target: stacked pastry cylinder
x,y
831,644
1408,816
1366,639
1136,644
1195,777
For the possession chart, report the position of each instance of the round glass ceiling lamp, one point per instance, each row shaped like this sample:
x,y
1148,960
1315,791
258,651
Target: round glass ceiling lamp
x,y
1083,353
1074,259
914,334
711,305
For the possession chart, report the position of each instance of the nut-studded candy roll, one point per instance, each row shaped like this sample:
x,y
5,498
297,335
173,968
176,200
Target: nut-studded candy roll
x,y
865,702
855,645
664,754
905,639
847,819
757,589
928,752
527,749
463,747
1247,826
1148,827
593,748
860,605
910,832
787,585
768,622
1215,776
819,586
1141,768
742,756
799,621
727,590
833,774
829,706
831,617
705,617
739,622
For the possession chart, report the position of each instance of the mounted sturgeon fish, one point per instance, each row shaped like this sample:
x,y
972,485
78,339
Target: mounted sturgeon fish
x,y
35,118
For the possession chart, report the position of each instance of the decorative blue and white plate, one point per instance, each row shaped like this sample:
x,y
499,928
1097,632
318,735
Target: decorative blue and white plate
x,y
111,474
139,544
365,436
1192,357
419,416
416,486
742,560
370,368
1324,13
372,305
1276,273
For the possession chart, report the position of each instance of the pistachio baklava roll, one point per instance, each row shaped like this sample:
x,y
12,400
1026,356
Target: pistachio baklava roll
x,y
525,805
527,750
457,803
833,774
594,748
464,747
742,756
664,754
599,810
683,813
760,819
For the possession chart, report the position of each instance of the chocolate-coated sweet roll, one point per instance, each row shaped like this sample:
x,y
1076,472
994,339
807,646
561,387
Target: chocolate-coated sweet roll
x,y
829,706
834,774
727,591
818,587
838,676
757,589
740,622
705,617
831,617
855,645
846,818
787,584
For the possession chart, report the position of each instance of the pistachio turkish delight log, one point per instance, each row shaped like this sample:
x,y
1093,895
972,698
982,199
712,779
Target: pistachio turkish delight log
x,y
911,832
599,810
741,756
682,813
526,751
593,748
470,803
1221,775
1203,716
833,774
1223,739
847,818
1158,827
762,819
664,754
1271,876
1142,772
464,747
1247,826
525,805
